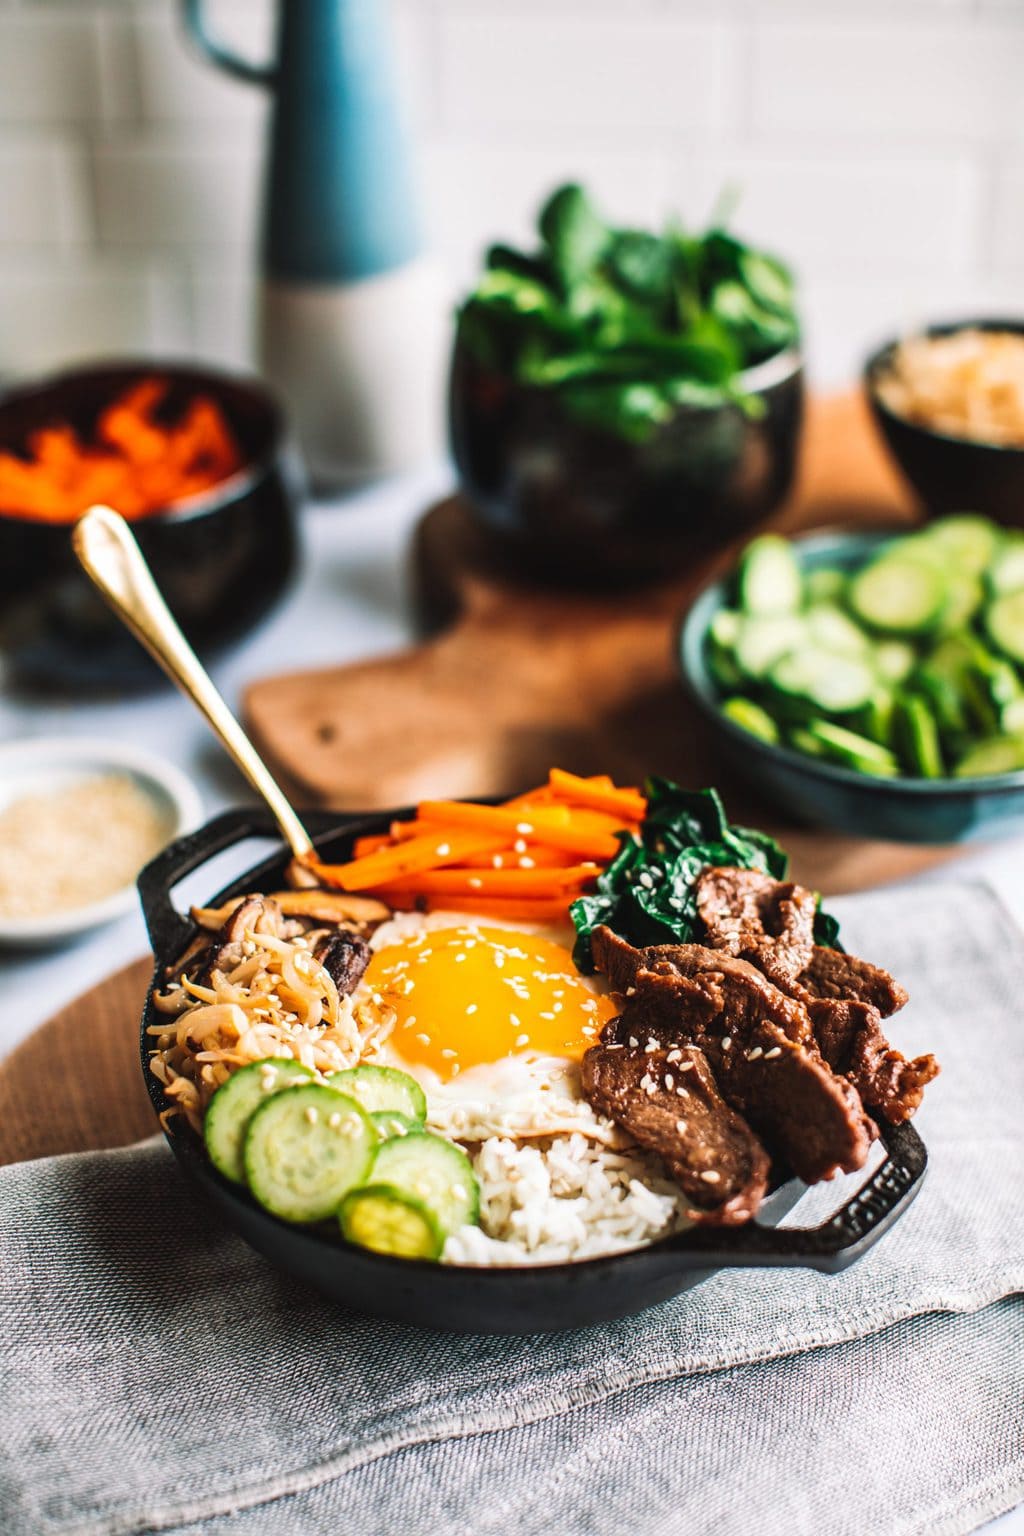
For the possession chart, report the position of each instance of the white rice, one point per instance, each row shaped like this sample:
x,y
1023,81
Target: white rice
x,y
562,1198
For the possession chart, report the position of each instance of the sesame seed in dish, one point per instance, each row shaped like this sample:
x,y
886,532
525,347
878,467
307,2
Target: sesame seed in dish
x,y
76,845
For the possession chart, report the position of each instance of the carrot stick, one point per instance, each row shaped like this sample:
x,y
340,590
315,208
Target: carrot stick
x,y
420,853
547,883
364,845
523,910
627,803
542,826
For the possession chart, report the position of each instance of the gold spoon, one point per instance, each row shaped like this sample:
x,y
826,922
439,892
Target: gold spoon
x,y
108,552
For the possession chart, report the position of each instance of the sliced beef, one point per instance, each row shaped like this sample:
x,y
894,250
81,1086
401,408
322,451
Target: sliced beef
x,y
831,973
758,1042
749,914
770,923
668,1102
344,956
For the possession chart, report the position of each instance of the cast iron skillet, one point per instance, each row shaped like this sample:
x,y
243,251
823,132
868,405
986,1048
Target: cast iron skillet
x,y
506,1300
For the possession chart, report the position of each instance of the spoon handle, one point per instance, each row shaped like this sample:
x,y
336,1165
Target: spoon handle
x,y
108,552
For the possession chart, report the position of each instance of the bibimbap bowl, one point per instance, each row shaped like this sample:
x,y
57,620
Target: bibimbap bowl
x,y
473,1296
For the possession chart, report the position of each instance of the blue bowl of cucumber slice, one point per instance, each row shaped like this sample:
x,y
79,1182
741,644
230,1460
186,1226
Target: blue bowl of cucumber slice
x,y
872,682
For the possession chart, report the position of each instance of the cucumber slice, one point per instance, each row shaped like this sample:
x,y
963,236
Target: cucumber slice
x,y
382,1218
769,577
382,1088
853,750
434,1171
235,1103
305,1149
763,640
724,628
966,595
1004,621
899,596
894,660
997,754
968,540
919,738
829,626
390,1123
1011,721
824,584
801,740
1006,573
751,717
831,682
876,719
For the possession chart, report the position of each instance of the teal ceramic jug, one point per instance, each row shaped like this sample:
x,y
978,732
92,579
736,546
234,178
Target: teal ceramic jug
x,y
350,325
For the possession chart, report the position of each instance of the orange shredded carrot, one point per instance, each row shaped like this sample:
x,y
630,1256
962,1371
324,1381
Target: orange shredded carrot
x,y
548,883
364,845
628,804
392,863
543,826
136,460
536,910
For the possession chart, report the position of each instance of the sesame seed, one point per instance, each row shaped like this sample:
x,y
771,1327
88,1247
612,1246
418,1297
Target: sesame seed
x,y
522,1039
755,1053
525,863
776,1050
556,1007
449,1054
547,1015
334,1120
631,991
456,1069
645,880
311,1114
681,1127
443,850
458,958
471,1008
423,1039
670,1081
474,882
711,1177
590,1030
634,1042
686,1066
520,845
499,959
498,862
410,1021
726,1042
524,828
674,1056
458,1190
681,1093
513,1019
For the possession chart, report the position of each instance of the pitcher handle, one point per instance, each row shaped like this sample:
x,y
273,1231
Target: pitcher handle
x,y
231,63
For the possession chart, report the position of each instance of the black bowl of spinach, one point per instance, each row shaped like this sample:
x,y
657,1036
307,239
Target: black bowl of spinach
x,y
620,400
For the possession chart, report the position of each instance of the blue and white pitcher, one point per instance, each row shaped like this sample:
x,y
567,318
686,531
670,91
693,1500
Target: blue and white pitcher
x,y
351,322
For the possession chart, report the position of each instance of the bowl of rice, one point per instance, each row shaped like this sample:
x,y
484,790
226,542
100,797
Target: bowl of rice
x,y
949,402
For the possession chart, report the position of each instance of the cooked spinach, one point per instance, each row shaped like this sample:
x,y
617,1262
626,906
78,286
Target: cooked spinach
x,y
623,325
647,894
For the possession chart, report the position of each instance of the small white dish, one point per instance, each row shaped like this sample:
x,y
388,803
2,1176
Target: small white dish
x,y
46,766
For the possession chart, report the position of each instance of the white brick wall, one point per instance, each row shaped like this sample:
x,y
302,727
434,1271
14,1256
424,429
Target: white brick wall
x,y
879,144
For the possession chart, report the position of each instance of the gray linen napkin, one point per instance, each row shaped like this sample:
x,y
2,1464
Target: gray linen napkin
x,y
156,1375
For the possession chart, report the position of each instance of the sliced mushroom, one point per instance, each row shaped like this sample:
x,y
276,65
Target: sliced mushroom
x,y
344,956
337,907
214,918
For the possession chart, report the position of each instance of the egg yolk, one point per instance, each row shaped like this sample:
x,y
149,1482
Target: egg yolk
x,y
469,995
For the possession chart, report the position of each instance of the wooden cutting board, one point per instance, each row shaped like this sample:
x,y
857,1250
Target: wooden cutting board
x,y
520,676
517,679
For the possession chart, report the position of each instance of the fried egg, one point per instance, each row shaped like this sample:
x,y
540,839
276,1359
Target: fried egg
x,y
483,1012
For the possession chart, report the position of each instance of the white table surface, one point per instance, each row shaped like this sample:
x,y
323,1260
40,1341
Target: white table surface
x,y
350,601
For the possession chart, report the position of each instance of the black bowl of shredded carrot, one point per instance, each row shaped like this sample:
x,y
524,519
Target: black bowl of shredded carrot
x,y
195,459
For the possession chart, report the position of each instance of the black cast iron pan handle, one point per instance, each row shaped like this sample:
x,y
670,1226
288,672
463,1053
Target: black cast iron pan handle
x,y
843,1237
169,931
